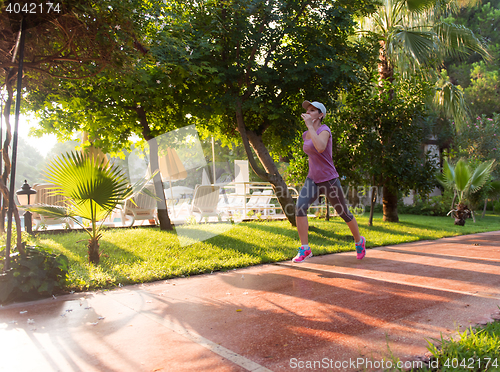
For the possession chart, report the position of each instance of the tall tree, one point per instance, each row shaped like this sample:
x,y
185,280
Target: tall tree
x,y
70,39
144,97
244,66
114,106
267,57
413,39
382,138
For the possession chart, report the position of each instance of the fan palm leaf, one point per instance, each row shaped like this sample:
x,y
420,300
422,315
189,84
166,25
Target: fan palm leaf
x,y
480,176
462,176
53,211
91,188
419,5
452,99
447,177
463,179
458,40
411,45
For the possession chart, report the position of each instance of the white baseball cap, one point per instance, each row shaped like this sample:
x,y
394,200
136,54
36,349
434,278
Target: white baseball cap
x,y
316,104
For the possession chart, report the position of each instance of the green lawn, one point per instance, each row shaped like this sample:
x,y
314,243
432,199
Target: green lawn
x,y
148,254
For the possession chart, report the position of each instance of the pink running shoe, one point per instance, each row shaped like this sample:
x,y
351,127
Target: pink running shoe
x,y
360,249
302,255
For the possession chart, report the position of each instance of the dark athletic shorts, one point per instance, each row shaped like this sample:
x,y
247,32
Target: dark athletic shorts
x,y
333,191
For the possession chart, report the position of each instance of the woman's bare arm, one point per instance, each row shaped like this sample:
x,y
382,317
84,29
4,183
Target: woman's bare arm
x,y
319,140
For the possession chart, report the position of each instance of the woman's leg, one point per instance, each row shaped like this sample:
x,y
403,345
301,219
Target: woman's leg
x,y
308,194
336,197
353,226
302,229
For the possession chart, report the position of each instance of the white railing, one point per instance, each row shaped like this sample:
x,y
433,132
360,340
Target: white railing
x,y
240,197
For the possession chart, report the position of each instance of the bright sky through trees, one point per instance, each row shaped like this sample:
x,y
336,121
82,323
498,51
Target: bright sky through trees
x,y
43,144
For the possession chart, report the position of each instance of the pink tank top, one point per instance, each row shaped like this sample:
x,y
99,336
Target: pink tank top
x,y
321,166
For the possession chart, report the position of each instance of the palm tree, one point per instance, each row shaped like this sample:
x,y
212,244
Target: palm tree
x,y
92,190
413,40
464,181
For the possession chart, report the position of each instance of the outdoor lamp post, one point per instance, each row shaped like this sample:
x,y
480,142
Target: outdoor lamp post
x,y
23,196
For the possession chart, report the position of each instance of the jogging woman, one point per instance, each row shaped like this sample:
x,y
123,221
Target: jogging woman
x,y
321,179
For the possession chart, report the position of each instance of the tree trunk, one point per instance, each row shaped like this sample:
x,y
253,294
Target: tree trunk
x,y
454,198
163,217
484,208
390,203
15,213
7,165
5,147
461,214
3,214
93,251
385,71
372,204
385,80
270,174
279,186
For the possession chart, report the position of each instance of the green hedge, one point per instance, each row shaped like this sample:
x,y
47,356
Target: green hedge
x,y
438,205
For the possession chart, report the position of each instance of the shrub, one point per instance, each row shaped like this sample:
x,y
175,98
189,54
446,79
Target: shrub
x,y
378,208
438,205
38,274
496,208
480,140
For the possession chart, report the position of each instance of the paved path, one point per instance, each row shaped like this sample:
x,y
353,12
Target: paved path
x,y
330,313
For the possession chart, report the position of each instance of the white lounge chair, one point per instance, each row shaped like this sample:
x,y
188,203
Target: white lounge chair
x,y
205,200
143,209
265,203
231,203
261,202
253,200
